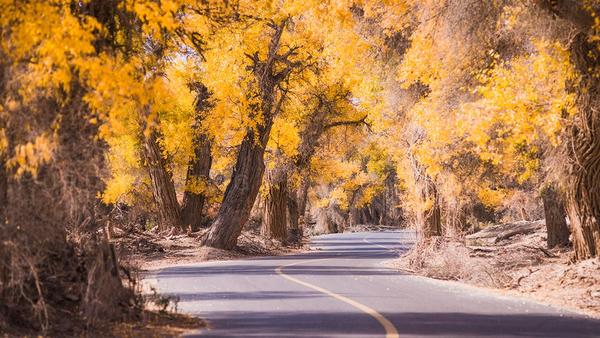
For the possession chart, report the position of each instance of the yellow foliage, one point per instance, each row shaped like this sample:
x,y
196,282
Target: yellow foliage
x,y
456,108
29,157
491,197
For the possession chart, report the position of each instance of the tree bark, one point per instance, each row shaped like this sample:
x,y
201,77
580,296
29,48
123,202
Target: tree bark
x,y
328,220
3,152
163,188
241,192
3,188
555,215
390,200
582,195
294,230
5,255
302,198
198,173
297,211
275,212
583,185
430,219
354,217
197,178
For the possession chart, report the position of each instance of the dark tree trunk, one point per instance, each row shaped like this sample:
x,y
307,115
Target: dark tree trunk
x,y
390,200
367,216
556,223
3,188
583,186
197,178
240,193
354,217
294,230
582,195
275,216
431,220
376,211
5,255
297,211
3,152
327,221
302,198
163,188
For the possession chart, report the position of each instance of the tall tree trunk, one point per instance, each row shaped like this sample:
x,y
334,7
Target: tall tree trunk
x,y
241,191
275,216
294,230
302,198
297,211
328,220
390,200
555,215
431,220
3,134
583,186
3,188
163,188
198,174
5,255
354,217
197,181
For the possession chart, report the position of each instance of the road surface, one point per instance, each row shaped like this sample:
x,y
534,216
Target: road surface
x,y
344,290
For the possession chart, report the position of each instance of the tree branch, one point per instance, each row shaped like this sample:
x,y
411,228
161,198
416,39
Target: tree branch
x,y
360,121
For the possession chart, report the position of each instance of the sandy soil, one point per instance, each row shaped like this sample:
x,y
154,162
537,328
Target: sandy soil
x,y
148,251
519,265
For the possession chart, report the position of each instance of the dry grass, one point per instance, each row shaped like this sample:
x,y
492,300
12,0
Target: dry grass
x,y
517,265
156,324
150,251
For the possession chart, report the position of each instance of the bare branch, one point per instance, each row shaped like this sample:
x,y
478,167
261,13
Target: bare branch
x,y
360,121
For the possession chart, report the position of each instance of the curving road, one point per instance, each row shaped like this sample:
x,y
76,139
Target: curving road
x,y
343,290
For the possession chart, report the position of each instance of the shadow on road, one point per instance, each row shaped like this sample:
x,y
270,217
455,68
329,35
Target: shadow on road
x,y
258,295
250,269
316,324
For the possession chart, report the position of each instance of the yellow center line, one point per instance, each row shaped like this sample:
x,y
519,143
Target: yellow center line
x,y
390,329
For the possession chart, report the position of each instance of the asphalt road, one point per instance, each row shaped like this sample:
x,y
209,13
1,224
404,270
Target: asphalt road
x,y
344,290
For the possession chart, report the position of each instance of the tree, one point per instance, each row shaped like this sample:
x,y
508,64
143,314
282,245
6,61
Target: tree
x,y
556,222
76,79
583,202
299,56
247,175
505,93
163,188
329,107
198,173
276,206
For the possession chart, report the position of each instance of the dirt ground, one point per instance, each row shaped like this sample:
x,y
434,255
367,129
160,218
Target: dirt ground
x,y
148,323
153,324
518,265
148,251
